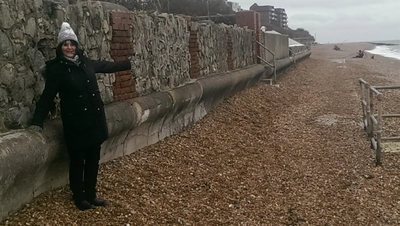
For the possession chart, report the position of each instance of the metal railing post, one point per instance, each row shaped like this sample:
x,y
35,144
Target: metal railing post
x,y
370,110
373,119
363,101
379,130
265,61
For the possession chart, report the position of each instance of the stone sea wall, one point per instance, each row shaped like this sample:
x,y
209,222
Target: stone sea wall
x,y
28,33
161,52
158,45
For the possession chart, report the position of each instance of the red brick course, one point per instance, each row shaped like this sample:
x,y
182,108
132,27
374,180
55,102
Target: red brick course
x,y
229,59
121,48
194,68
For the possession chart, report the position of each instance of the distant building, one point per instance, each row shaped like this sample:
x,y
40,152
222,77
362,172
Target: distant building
x,y
281,17
235,6
307,41
270,15
267,13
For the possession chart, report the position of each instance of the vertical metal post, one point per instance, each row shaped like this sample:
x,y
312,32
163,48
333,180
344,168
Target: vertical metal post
x,y
369,126
379,130
273,56
364,108
370,110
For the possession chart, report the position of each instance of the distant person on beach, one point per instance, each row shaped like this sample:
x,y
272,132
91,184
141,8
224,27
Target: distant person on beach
x,y
73,76
360,54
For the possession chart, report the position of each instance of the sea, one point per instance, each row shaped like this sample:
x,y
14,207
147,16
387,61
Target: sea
x,y
389,49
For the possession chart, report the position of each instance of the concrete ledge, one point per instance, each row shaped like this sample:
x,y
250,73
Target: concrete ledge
x,y
284,63
32,163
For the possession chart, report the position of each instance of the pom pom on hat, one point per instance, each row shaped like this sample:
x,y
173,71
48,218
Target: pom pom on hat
x,y
66,33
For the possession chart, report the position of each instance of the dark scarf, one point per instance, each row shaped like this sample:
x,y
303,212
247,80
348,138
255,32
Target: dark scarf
x,y
76,60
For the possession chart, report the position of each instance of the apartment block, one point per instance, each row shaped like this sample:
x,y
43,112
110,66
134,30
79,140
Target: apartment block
x,y
267,13
281,17
271,15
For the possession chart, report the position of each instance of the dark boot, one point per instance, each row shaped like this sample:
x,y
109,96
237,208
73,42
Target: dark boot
x,y
84,205
97,202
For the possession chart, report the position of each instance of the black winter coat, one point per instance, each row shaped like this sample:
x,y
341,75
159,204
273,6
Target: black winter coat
x,y
82,109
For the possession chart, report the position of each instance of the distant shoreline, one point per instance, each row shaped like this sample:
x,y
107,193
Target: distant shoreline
x,y
379,43
383,44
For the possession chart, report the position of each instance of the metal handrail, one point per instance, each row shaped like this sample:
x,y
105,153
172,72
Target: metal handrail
x,y
273,58
294,55
266,62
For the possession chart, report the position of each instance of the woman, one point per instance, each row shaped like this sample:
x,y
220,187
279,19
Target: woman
x,y
72,76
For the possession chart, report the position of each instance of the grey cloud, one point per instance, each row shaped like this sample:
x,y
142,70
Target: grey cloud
x,y
335,21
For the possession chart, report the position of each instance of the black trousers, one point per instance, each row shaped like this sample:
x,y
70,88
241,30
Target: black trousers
x,y
83,169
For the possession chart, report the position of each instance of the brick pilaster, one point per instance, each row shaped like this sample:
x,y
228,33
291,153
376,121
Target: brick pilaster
x,y
122,48
194,69
229,50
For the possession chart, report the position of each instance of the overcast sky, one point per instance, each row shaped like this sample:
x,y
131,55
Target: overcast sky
x,y
337,21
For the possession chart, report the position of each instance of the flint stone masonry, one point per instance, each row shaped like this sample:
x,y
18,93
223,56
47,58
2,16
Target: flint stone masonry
x,y
28,32
242,54
212,48
160,52
158,45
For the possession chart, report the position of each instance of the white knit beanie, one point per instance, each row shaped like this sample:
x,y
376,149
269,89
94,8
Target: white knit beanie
x,y
66,33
